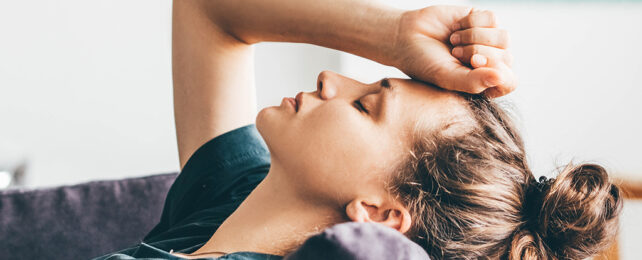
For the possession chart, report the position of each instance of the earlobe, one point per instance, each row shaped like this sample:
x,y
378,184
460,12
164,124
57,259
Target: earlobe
x,y
405,220
398,218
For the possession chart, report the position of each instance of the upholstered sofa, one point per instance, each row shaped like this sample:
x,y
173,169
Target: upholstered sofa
x,y
91,219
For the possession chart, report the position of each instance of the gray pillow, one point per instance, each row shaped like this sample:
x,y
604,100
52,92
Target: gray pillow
x,y
359,241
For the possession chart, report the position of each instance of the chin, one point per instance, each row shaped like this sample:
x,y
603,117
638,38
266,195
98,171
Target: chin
x,y
263,120
276,128
270,123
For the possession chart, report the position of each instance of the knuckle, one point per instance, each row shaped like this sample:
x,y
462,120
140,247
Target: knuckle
x,y
482,36
478,89
474,49
492,19
471,35
505,37
466,22
476,31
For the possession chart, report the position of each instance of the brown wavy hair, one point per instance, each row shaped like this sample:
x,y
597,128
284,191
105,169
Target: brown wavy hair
x,y
472,195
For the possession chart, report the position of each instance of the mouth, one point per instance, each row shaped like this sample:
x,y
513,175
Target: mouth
x,y
299,101
290,102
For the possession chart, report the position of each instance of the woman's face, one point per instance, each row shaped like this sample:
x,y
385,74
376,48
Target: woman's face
x,y
330,148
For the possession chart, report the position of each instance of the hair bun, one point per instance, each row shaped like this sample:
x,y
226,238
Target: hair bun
x,y
577,215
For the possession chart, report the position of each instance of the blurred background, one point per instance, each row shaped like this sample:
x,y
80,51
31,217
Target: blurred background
x,y
86,89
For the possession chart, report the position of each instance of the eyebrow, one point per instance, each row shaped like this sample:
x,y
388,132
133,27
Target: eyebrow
x,y
385,83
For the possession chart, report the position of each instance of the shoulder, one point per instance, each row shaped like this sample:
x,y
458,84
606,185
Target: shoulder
x,y
238,149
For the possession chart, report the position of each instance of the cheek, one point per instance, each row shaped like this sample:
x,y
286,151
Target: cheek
x,y
329,141
329,152
336,142
335,129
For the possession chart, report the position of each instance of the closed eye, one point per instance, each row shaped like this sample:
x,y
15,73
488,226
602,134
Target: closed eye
x,y
359,106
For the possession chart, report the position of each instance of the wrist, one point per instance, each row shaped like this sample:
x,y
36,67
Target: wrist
x,y
389,39
372,33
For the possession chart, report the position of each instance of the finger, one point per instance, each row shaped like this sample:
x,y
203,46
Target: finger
x,y
482,56
464,79
493,37
506,85
493,82
476,18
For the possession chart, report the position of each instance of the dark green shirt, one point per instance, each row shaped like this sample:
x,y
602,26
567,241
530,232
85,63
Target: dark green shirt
x,y
213,183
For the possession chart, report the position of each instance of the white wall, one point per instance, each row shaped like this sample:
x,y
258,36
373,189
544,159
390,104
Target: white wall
x,y
85,86
579,82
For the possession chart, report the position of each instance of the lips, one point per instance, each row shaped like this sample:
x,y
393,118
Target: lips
x,y
299,100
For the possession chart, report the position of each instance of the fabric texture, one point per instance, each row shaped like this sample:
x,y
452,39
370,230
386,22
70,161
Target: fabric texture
x,y
80,221
213,183
359,241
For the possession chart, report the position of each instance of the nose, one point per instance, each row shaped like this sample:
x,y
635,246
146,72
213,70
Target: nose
x,y
327,84
334,85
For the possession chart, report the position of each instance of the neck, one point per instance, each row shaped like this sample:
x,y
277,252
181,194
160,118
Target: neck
x,y
273,219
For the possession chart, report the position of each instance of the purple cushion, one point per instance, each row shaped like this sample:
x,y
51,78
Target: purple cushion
x,y
359,241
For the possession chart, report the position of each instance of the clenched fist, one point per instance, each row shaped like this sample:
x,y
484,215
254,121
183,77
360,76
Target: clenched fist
x,y
456,48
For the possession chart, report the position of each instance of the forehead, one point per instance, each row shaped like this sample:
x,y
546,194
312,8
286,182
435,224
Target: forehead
x,y
416,104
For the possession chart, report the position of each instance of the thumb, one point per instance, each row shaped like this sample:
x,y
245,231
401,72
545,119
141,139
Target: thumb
x,y
492,81
463,79
506,82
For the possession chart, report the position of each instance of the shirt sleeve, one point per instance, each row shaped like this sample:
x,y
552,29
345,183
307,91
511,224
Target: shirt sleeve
x,y
223,171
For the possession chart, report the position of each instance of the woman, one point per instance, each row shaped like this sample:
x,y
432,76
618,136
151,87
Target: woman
x,y
445,168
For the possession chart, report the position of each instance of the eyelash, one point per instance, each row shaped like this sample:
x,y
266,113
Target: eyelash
x,y
360,106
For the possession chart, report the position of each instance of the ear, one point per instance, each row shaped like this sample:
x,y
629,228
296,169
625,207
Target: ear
x,y
391,214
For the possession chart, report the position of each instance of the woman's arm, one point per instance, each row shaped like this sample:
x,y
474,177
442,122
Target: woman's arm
x,y
361,27
213,60
213,79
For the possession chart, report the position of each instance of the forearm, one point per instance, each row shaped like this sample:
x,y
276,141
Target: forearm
x,y
360,27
